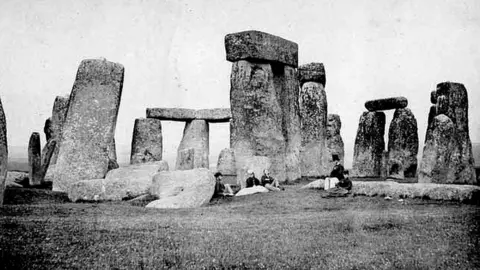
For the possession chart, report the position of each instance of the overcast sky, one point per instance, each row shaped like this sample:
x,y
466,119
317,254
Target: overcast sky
x,y
174,55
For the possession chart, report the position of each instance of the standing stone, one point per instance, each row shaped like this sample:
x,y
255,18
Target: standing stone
x,y
3,153
146,141
89,126
226,162
437,152
335,144
34,160
369,145
59,112
313,112
196,137
47,154
431,115
402,144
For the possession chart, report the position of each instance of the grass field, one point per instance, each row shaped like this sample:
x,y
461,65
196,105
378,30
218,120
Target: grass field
x,y
293,229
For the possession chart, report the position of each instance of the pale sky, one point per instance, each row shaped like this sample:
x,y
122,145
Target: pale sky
x,y
174,56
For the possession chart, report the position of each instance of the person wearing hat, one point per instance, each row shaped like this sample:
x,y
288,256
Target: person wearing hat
x,y
338,169
252,180
221,189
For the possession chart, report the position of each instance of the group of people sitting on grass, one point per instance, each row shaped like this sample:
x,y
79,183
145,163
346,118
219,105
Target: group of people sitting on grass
x,y
342,187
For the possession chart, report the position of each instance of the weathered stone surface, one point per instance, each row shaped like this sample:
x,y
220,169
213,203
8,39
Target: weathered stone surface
x,y
47,129
3,153
433,97
256,45
252,190
90,123
431,115
182,189
386,104
335,144
47,154
369,145
312,72
34,160
59,112
180,114
112,153
17,177
226,162
147,142
265,116
186,160
87,190
255,163
196,136
163,166
402,144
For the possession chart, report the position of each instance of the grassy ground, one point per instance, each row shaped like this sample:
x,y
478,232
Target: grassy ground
x,y
291,229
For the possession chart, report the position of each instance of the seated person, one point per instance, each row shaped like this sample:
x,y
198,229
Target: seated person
x,y
338,169
252,180
269,182
221,189
342,188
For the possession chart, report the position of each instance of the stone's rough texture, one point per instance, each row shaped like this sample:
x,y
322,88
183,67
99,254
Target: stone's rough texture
x,y
34,160
195,136
402,144
182,189
186,160
87,190
3,153
369,145
335,144
313,72
386,104
47,129
255,163
47,154
90,123
112,152
256,45
179,114
163,166
59,112
17,177
226,162
313,112
431,115
433,97
265,116
146,141
317,184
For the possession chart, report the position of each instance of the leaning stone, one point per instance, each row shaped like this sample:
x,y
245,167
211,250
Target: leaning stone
x,y
3,153
369,145
182,189
214,115
335,145
90,123
258,45
47,154
59,112
386,104
147,141
195,136
313,72
402,144
226,162
17,177
171,114
34,160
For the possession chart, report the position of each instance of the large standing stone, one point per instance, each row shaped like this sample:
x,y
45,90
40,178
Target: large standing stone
x,y
402,144
182,189
226,162
34,160
59,112
3,153
195,136
335,144
313,112
386,104
89,126
369,145
146,141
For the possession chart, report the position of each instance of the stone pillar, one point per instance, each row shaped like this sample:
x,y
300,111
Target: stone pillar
x,y
194,146
335,144
402,144
146,141
369,145
59,111
34,160
3,153
226,166
89,125
264,101
313,113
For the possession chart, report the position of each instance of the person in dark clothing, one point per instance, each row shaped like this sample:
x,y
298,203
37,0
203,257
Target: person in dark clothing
x,y
338,169
269,182
252,180
342,188
221,189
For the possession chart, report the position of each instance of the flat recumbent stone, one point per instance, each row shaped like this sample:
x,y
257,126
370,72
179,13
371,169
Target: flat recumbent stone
x,y
386,104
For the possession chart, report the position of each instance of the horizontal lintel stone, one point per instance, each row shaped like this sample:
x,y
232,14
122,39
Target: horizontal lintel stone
x,y
181,114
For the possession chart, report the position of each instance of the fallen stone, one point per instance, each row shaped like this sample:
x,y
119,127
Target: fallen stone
x,y
196,137
20,178
147,144
386,104
3,153
402,144
251,190
182,189
258,45
179,114
335,145
312,72
226,162
90,123
317,184
369,145
34,160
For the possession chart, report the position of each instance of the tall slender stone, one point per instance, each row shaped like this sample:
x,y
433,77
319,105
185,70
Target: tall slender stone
x,y
89,125
196,138
146,141
369,145
3,153
313,112
59,112
402,144
34,160
335,144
